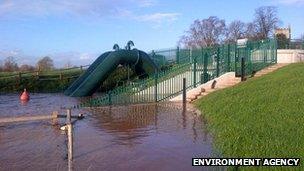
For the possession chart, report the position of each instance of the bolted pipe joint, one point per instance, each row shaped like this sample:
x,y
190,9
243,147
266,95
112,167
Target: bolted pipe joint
x,y
129,45
116,47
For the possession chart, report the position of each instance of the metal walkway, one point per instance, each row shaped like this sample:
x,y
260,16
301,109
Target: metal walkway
x,y
198,66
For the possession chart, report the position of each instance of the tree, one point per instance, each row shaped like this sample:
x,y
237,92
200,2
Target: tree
x,y
282,40
45,63
266,20
251,31
236,30
204,33
26,67
10,64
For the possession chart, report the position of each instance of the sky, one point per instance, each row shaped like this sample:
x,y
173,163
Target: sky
x,y
78,31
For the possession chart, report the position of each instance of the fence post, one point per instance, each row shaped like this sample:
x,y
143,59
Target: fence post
x,y
19,76
218,62
264,53
37,75
194,71
229,60
177,55
155,86
243,69
236,51
184,91
205,70
276,51
70,135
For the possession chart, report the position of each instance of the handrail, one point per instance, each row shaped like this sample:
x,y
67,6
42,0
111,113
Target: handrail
x,y
194,67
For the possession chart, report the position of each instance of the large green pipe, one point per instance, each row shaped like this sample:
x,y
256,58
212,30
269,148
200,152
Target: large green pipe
x,y
89,82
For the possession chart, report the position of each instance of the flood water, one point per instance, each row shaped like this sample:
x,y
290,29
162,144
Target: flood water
x,y
137,137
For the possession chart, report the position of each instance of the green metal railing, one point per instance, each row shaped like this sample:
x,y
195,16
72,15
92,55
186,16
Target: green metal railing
x,y
198,66
291,44
257,55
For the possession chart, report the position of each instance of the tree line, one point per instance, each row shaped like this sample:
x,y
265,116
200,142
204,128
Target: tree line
x,y
10,64
213,30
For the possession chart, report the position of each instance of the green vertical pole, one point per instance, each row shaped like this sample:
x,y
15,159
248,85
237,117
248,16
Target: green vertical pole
x,y
247,58
276,51
218,62
205,74
194,71
229,59
264,54
243,69
177,55
184,91
235,60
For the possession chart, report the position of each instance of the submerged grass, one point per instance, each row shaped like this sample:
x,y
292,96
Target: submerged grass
x,y
262,117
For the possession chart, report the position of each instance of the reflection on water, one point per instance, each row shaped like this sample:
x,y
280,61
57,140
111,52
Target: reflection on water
x,y
136,137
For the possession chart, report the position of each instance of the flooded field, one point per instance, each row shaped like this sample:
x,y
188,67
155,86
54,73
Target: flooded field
x,y
139,137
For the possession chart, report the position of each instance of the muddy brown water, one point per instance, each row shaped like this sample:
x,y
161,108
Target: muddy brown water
x,y
138,137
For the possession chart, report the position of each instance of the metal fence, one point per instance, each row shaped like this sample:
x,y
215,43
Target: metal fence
x,y
198,66
15,81
291,44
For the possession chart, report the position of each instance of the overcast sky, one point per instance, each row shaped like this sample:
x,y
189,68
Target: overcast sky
x,y
77,31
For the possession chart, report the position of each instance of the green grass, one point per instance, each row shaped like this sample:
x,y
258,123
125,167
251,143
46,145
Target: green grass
x,y
262,117
49,81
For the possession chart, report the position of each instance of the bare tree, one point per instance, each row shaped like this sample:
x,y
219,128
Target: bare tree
x,y
206,32
266,20
45,63
251,31
235,30
26,67
186,41
10,64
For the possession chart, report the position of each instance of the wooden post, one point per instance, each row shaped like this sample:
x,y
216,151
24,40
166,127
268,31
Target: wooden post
x,y
60,76
37,75
55,116
68,116
28,118
70,135
19,77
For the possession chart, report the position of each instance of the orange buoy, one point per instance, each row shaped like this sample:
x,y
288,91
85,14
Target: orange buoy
x,y
25,96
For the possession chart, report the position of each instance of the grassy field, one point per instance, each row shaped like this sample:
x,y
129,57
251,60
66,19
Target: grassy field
x,y
262,117
55,80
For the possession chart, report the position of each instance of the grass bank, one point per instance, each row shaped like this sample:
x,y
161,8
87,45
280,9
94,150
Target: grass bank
x,y
262,117
56,80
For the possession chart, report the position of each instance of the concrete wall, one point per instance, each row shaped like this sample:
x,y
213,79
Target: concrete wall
x,y
290,55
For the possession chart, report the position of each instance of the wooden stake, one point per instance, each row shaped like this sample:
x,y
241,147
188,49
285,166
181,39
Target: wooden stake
x,y
70,141
27,118
70,134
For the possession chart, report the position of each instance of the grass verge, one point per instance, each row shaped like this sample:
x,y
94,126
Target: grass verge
x,y
262,117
